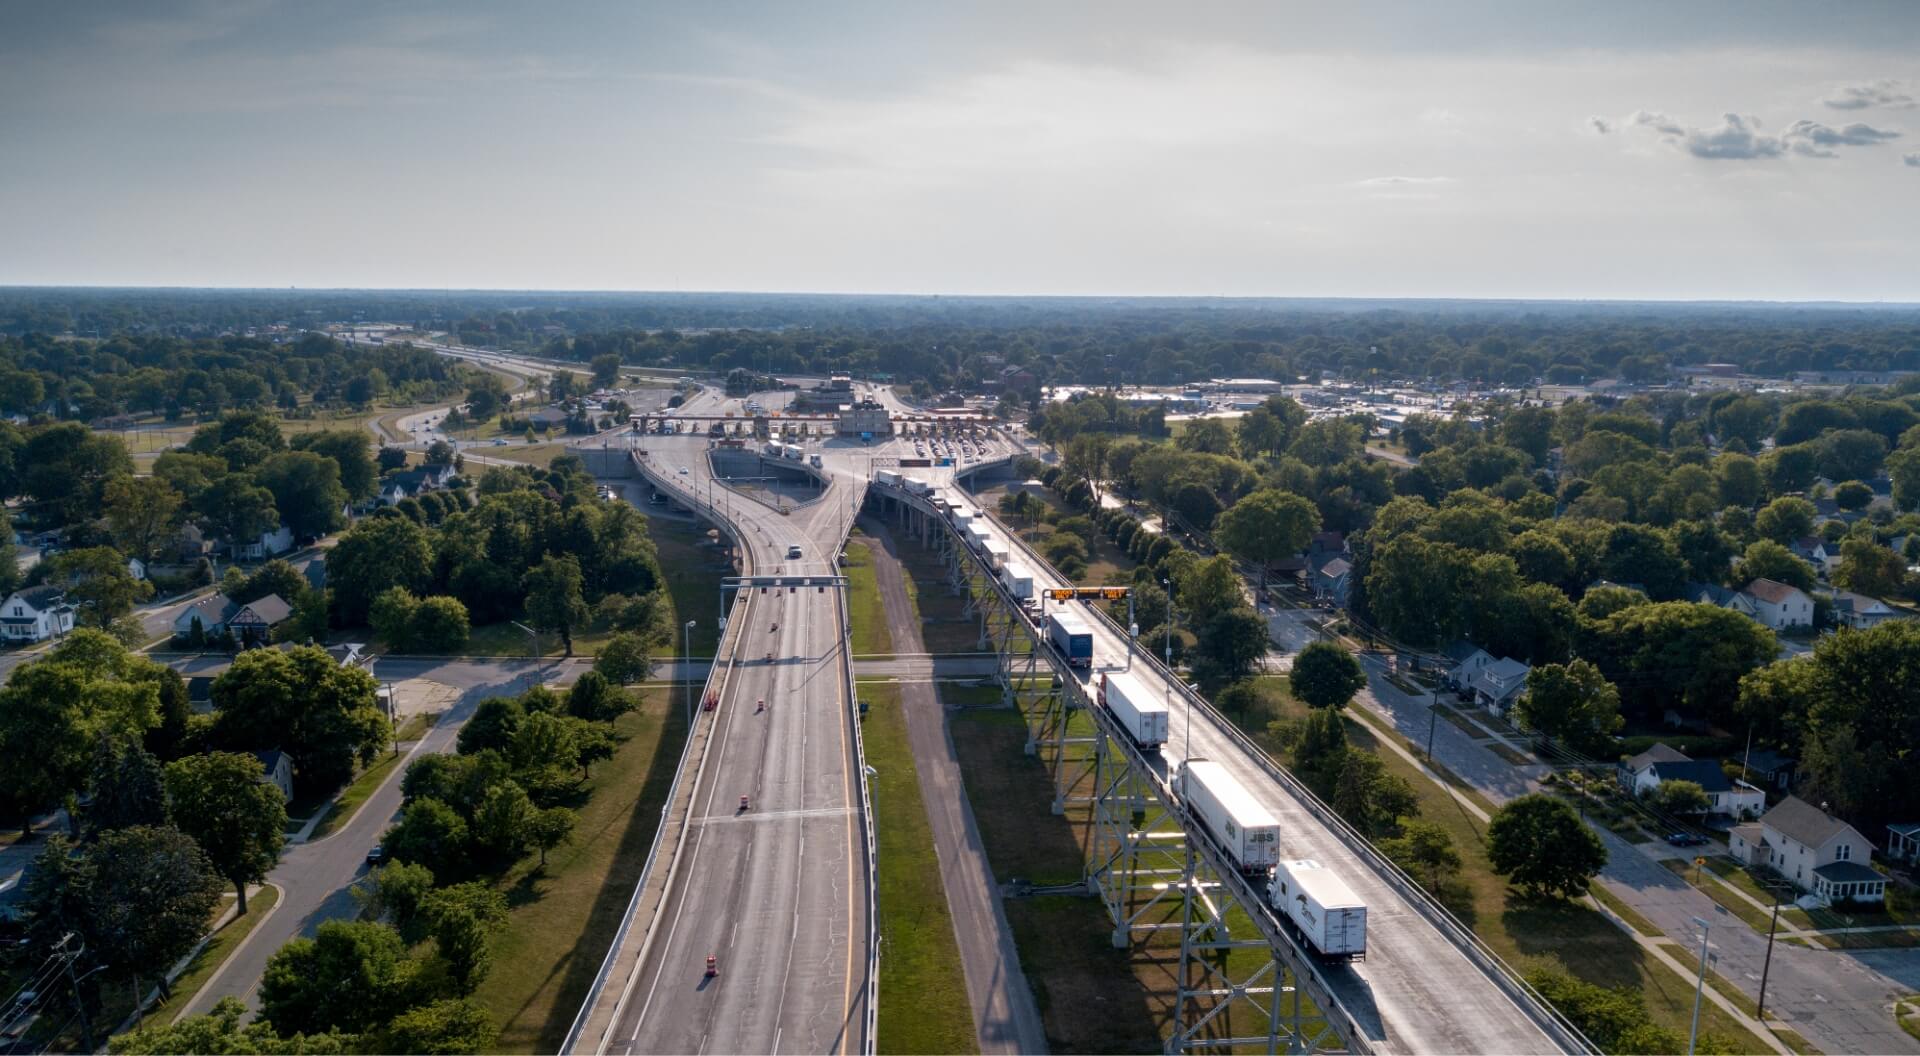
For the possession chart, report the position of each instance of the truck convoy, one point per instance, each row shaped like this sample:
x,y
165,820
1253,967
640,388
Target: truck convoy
x,y
1141,713
1320,908
1019,583
1070,634
1242,826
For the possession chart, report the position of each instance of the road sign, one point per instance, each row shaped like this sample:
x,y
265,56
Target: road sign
x,y
1088,593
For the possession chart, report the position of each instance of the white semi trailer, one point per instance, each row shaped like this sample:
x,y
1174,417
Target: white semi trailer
x,y
1321,908
1140,712
1249,833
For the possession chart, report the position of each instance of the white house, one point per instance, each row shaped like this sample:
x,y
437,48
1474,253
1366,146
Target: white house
x,y
279,771
1778,605
136,568
35,615
408,483
1859,611
1650,769
1903,842
1814,551
1497,684
270,544
1817,852
1468,661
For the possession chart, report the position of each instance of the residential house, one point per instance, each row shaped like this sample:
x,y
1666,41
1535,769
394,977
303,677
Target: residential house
x,y
1332,581
270,544
1903,842
1498,684
1657,765
200,693
1714,594
255,621
1860,611
192,544
1466,660
1814,551
35,615
1817,852
410,483
1769,769
136,568
215,613
279,771
1778,605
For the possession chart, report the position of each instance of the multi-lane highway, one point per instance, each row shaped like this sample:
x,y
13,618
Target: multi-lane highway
x,y
775,890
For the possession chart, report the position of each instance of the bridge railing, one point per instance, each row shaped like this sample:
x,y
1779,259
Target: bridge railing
x,y
1529,1000
872,1001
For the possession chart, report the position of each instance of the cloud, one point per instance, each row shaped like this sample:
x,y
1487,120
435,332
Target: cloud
x,y
1400,181
1873,93
1912,161
1815,140
1738,137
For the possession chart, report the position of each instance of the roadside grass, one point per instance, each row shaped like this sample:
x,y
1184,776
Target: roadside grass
x,y
535,454
864,606
1906,1012
1727,900
944,625
1625,912
348,802
415,727
563,917
223,942
1791,1039
923,1005
693,569
153,435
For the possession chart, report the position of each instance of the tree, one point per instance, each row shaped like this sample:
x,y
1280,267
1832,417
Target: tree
x,y
1368,797
430,833
124,786
624,659
1425,850
54,710
220,1031
554,601
1785,519
239,820
65,470
148,893
500,823
1766,559
487,396
1680,797
99,584
1869,568
237,511
606,370
1853,495
1326,676
306,491
351,976
350,450
463,919
388,459
549,829
1680,655
593,697
1540,845
440,625
1321,748
375,554
1740,481
142,513
396,891
301,700
1572,703
1231,642
451,1027
1267,526
391,618
493,725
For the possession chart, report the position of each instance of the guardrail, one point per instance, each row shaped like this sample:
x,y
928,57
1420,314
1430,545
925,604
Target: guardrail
x,y
1528,1000
717,675
866,813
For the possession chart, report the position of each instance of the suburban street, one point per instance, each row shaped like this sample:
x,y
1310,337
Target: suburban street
x,y
1836,999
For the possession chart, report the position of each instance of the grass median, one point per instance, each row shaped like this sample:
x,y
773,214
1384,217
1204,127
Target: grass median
x,y
219,946
864,604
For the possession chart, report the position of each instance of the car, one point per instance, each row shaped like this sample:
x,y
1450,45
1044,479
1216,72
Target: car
x,y
793,552
1686,839
376,855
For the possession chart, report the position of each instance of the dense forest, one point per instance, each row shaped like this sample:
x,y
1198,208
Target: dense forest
x,y
156,373
966,341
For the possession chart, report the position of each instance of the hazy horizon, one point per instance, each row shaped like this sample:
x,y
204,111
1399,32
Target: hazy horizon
x,y
1730,152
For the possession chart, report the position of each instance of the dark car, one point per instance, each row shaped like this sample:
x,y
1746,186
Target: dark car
x,y
1686,839
376,855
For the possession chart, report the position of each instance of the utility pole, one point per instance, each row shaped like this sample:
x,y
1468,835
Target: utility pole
x,y
686,661
1699,984
1766,965
1433,715
79,1002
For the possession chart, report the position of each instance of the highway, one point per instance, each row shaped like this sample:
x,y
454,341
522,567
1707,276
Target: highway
x,y
776,892
1417,990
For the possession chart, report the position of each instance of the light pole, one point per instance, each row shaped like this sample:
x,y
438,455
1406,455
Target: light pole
x,y
1699,983
686,662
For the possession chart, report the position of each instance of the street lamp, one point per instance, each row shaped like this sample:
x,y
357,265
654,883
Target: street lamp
x,y
1699,983
686,662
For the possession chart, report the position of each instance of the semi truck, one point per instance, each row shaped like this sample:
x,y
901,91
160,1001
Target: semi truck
x,y
1018,581
1070,634
1249,833
916,485
887,477
1320,908
793,452
1141,713
997,553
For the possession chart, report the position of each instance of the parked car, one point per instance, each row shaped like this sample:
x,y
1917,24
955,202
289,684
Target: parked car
x,y
376,855
1686,839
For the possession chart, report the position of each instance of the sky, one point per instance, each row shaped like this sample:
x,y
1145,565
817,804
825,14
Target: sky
x,y
1536,150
